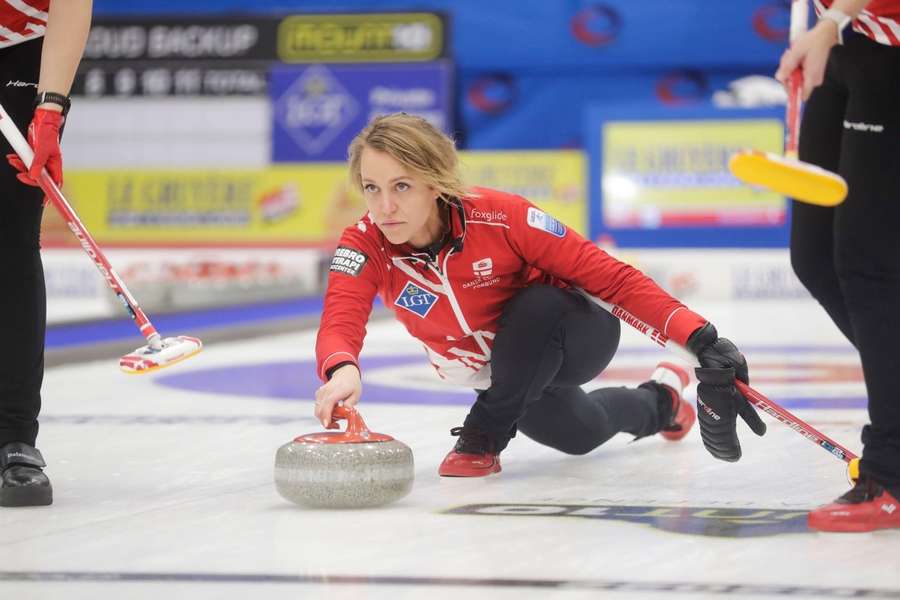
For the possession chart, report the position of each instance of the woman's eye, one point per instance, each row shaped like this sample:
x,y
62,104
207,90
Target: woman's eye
x,y
370,188
402,187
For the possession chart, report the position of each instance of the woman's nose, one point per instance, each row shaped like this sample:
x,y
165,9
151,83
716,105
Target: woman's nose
x,y
388,205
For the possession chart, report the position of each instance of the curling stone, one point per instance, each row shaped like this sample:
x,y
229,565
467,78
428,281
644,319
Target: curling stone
x,y
356,468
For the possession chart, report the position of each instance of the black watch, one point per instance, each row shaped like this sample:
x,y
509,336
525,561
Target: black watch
x,y
53,98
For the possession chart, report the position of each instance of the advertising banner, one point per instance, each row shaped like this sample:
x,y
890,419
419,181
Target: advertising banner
x,y
662,179
168,279
555,181
361,38
213,55
275,206
283,205
317,110
674,173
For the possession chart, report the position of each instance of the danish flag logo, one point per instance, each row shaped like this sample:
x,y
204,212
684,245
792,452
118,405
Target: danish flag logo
x,y
483,267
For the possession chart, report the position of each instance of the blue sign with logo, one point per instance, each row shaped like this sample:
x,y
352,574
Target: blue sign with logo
x,y
318,109
416,300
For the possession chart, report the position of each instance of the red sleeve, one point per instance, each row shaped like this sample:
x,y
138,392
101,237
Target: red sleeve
x,y
552,247
354,277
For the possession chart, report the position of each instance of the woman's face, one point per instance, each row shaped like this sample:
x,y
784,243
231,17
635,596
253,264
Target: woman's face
x,y
401,204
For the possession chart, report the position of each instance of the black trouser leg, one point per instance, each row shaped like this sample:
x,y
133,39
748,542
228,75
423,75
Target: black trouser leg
x,y
866,243
812,227
23,298
549,342
575,422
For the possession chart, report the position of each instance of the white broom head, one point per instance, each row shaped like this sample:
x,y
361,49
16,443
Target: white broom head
x,y
147,359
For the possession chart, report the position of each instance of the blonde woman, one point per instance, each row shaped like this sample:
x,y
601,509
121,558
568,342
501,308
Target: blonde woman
x,y
485,281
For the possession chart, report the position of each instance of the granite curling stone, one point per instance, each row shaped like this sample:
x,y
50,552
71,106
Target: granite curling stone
x,y
356,468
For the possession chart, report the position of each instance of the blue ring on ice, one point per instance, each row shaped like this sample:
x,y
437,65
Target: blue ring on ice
x,y
297,381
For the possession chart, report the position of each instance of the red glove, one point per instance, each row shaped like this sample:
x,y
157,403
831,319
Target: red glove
x,y
43,136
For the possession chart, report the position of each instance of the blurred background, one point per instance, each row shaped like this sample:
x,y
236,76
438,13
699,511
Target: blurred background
x,y
205,148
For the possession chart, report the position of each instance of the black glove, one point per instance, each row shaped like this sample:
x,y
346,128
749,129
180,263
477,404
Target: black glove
x,y
718,399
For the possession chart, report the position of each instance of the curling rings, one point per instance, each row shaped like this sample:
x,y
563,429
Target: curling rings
x,y
356,468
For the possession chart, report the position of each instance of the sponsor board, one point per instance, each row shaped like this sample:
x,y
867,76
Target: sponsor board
x,y
555,181
361,38
232,55
170,79
718,274
703,521
172,38
291,204
174,279
318,109
278,205
675,174
171,56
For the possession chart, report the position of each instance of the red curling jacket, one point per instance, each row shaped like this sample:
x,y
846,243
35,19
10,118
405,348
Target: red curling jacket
x,y
451,301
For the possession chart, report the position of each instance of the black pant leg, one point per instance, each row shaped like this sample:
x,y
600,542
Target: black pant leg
x,y
549,342
575,422
23,297
812,227
867,240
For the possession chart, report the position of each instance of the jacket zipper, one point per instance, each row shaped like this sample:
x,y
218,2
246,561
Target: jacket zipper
x,y
454,304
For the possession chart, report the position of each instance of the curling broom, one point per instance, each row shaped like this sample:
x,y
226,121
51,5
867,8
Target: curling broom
x,y
786,174
158,352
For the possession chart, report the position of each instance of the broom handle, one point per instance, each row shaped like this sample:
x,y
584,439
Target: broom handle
x,y
18,142
799,18
754,397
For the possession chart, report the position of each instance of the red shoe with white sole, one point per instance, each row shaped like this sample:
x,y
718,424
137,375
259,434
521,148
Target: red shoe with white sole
x,y
675,378
472,456
866,507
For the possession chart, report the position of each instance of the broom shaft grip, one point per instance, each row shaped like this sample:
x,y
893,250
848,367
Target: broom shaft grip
x,y
799,19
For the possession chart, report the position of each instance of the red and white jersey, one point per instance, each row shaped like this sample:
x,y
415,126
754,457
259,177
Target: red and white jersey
x,y
452,302
880,20
22,20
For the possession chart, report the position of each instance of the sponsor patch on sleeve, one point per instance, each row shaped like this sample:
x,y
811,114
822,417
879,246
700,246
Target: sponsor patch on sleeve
x,y
541,220
348,260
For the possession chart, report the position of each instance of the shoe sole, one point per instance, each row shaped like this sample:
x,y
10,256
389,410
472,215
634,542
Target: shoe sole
x,y
26,496
473,473
838,527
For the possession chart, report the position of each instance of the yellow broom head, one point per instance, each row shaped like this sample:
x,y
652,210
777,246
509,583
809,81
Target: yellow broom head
x,y
793,178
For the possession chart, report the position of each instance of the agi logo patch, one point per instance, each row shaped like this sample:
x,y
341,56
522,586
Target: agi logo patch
x,y
415,299
541,220
348,260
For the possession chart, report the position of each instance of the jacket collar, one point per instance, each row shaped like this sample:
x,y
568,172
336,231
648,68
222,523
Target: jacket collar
x,y
454,237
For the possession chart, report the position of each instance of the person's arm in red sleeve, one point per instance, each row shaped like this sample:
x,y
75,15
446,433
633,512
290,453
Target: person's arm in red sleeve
x,y
556,249
68,25
353,280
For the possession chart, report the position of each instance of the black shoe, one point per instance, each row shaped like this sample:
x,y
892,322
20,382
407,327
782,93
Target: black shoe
x,y
23,481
